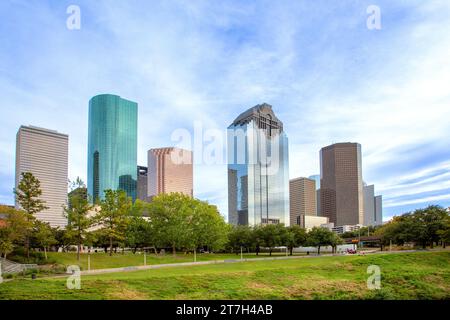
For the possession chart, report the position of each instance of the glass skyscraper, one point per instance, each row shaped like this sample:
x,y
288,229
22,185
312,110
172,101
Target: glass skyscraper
x,y
112,150
258,169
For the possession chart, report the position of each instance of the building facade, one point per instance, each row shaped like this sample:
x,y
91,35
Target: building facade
x,y
142,183
369,205
378,210
341,185
170,170
258,169
316,178
45,154
302,199
112,147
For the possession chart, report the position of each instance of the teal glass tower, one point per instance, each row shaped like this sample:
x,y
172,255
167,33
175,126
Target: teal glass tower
x,y
258,169
112,147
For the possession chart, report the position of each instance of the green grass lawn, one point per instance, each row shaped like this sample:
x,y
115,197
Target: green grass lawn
x,y
419,275
104,261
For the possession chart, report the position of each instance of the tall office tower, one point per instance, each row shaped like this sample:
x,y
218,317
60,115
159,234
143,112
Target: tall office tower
x,y
316,178
341,195
45,154
170,170
302,197
369,205
373,214
258,169
142,183
112,149
378,210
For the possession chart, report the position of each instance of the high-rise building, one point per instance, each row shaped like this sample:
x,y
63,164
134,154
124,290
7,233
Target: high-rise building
x,y
302,199
316,178
112,150
373,215
142,183
369,205
170,170
45,154
378,210
258,169
341,185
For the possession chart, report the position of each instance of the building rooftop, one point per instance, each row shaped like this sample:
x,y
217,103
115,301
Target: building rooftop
x,y
259,112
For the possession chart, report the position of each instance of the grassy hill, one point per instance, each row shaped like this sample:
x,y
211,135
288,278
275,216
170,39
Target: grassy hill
x,y
419,275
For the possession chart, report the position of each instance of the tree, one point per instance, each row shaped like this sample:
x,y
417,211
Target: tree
x,y
240,236
113,216
319,237
43,235
28,195
273,235
77,214
295,237
257,238
6,245
139,231
335,240
444,233
206,226
15,231
423,227
169,215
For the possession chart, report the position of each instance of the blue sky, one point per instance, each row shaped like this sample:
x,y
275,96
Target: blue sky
x,y
328,77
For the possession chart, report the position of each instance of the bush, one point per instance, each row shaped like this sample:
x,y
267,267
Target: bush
x,y
19,256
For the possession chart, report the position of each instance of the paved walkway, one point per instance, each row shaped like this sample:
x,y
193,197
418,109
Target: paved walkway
x,y
186,264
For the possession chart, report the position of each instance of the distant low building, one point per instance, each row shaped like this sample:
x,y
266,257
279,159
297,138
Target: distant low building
x,y
346,228
309,222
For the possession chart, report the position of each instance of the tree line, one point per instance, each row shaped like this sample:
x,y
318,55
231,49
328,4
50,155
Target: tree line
x,y
179,222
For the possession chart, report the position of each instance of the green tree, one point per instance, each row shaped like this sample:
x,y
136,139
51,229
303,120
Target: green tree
x,y
169,215
28,195
444,233
273,235
15,231
335,240
240,236
319,237
114,216
295,236
77,214
139,231
44,235
206,226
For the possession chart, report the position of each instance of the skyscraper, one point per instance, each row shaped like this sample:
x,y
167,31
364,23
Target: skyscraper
x,y
112,150
341,185
378,210
369,205
258,169
142,183
302,196
170,170
45,153
316,178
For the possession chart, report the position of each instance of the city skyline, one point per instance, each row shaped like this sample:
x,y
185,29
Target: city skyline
x,y
344,87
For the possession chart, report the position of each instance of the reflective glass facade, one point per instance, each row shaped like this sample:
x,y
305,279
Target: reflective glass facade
x,y
112,150
258,169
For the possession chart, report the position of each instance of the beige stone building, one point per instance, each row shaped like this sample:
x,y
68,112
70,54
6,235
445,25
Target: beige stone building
x,y
170,170
302,198
341,185
44,153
